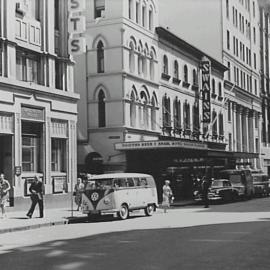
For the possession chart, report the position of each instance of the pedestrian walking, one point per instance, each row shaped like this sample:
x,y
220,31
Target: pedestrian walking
x,y
205,189
36,190
78,190
4,188
167,196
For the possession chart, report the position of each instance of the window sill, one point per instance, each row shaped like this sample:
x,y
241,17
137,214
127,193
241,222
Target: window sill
x,y
165,76
186,84
176,81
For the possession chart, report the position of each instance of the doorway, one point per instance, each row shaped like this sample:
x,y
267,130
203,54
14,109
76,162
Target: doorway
x,y
6,161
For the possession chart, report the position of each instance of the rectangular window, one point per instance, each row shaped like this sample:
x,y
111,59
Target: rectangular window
x,y
31,146
130,2
227,9
255,86
254,35
144,16
229,71
56,14
229,111
1,58
150,19
58,75
137,12
230,142
236,18
233,10
255,62
27,67
253,9
35,9
228,39
234,45
99,8
58,155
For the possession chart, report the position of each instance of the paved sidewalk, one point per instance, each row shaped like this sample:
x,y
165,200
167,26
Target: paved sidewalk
x,y
18,221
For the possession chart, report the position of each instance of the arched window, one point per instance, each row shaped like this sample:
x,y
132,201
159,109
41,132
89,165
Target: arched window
x,y
185,73
186,116
165,65
176,70
214,121
213,86
166,111
100,57
153,114
195,77
144,119
132,110
177,113
131,58
196,117
221,124
101,109
220,89
130,9
152,66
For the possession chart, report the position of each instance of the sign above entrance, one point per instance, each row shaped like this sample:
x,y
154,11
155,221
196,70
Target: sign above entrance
x,y
32,113
159,145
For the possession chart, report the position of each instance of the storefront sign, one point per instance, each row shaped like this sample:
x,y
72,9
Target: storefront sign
x,y
159,144
18,170
206,93
76,27
59,184
32,113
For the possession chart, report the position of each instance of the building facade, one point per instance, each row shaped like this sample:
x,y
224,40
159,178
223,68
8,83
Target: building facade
x,y
231,34
141,105
264,28
38,106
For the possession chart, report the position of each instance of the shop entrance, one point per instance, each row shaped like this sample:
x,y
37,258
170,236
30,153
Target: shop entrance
x,y
6,161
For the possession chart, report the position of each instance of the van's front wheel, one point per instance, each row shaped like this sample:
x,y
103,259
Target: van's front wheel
x,y
149,210
123,213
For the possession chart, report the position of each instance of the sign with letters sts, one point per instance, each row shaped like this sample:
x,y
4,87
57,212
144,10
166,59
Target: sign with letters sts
x,y
206,93
76,27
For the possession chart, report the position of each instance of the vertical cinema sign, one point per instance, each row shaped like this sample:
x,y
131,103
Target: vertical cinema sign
x,y
206,93
76,27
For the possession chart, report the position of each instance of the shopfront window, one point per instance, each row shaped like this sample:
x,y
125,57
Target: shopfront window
x,y
30,153
31,146
58,156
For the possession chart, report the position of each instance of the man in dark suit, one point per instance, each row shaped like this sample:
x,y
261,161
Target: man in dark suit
x,y
205,188
36,190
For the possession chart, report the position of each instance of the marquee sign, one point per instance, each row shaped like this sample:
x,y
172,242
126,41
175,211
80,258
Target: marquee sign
x,y
159,145
206,94
76,27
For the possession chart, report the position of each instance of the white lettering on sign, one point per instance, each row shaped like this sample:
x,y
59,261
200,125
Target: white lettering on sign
x,y
159,144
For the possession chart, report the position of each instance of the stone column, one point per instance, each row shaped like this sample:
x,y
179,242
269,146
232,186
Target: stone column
x,y
244,130
239,128
234,131
251,135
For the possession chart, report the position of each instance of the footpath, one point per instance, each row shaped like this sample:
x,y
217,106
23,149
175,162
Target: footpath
x,y
18,221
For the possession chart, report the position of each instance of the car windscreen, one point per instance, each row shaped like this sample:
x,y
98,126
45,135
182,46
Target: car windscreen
x,y
235,178
217,183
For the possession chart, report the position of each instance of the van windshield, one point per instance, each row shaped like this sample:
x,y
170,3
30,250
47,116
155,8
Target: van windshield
x,y
99,184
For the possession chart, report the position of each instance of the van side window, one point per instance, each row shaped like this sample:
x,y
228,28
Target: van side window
x,y
137,181
119,182
130,182
143,182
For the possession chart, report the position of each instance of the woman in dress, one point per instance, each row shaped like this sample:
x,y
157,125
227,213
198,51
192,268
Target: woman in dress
x,y
78,190
167,195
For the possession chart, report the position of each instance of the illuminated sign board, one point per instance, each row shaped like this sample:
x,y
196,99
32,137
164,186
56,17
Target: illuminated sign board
x,y
206,93
76,27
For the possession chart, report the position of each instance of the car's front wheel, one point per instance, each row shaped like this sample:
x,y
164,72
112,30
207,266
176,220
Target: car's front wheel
x,y
149,210
124,212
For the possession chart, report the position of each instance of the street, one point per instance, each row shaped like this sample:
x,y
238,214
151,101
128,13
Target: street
x,y
229,236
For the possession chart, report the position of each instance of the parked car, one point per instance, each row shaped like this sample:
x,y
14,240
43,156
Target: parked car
x,y
261,184
241,180
220,189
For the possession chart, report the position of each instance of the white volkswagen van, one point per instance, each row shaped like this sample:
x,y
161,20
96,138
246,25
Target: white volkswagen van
x,y
119,193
